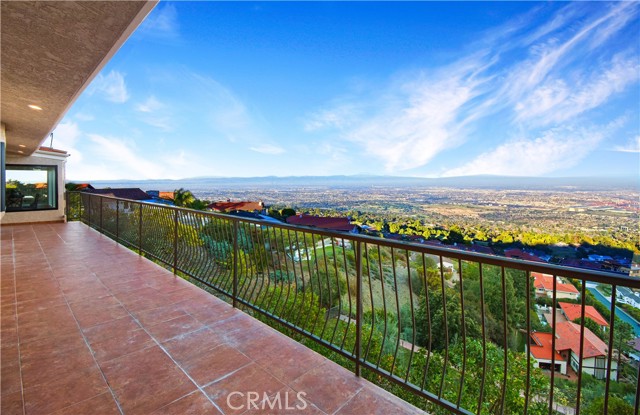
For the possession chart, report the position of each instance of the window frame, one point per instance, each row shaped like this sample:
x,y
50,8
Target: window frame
x,y
32,167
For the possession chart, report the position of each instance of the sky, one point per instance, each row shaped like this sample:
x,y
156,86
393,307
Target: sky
x,y
425,89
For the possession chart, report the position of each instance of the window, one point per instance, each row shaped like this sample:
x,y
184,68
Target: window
x,y
31,188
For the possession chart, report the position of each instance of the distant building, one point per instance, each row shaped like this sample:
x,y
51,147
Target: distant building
x,y
574,311
543,284
229,206
581,263
321,222
567,351
628,296
78,187
520,254
129,193
473,248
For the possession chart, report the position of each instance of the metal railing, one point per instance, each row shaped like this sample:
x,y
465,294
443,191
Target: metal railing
x,y
445,329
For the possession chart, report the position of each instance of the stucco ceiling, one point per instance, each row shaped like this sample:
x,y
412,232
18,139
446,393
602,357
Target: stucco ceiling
x,y
50,52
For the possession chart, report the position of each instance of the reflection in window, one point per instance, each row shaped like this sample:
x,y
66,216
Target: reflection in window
x,y
31,187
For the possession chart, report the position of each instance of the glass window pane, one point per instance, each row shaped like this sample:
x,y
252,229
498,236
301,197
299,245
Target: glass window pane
x,y
31,187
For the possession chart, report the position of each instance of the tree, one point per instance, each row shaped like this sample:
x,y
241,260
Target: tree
x,y
615,406
183,198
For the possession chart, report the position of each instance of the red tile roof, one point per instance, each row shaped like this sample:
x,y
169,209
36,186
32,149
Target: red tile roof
x,y
166,195
546,281
574,311
541,346
335,224
236,206
568,338
474,248
520,254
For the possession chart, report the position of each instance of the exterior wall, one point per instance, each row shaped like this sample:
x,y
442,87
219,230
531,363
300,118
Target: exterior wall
x,y
589,366
561,295
40,158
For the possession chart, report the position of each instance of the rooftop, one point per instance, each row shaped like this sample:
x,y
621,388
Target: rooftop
x,y
568,337
574,311
336,224
546,281
80,312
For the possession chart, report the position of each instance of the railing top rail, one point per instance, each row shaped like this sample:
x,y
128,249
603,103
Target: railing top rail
x,y
519,264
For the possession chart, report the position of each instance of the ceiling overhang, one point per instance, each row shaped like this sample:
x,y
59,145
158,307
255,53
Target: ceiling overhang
x,y
50,52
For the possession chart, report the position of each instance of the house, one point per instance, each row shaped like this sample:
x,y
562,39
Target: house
x,y
78,187
543,284
567,351
329,223
541,350
130,193
595,351
229,206
574,311
520,254
627,296
473,248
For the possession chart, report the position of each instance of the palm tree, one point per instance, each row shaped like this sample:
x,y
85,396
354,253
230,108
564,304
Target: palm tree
x,y
182,197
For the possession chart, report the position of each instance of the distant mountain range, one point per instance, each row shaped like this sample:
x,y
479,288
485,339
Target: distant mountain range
x,y
468,182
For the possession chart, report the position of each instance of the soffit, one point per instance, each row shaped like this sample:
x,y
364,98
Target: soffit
x,y
50,52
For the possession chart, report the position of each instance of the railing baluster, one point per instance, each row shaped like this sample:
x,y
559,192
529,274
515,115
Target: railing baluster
x,y
358,350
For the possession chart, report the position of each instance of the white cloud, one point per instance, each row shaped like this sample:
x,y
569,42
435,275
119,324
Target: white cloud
x,y
150,105
84,117
161,23
268,149
555,149
112,87
411,120
556,102
633,146
66,137
523,77
125,161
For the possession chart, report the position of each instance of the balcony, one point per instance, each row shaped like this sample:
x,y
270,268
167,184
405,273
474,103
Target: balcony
x,y
448,331
89,326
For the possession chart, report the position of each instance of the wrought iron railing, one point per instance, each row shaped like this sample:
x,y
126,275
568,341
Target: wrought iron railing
x,y
445,329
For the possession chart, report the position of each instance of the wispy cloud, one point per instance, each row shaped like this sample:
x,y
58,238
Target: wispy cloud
x,y
633,146
162,23
556,149
526,77
150,105
268,149
111,86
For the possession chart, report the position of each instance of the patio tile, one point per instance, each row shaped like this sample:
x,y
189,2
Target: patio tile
x,y
214,364
193,404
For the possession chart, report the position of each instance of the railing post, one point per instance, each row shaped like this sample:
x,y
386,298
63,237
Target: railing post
x,y
358,306
175,242
101,227
139,228
235,264
117,220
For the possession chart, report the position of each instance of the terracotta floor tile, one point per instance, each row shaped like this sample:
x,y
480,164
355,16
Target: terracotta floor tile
x,y
97,311
103,404
10,377
186,346
117,338
43,369
290,365
53,345
337,387
230,392
65,391
11,403
193,404
159,315
41,304
376,403
175,327
212,313
146,380
214,364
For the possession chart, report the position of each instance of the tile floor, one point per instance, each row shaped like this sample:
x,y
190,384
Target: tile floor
x,y
89,327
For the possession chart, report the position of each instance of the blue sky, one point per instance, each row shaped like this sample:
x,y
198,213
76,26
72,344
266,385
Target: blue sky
x,y
428,89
